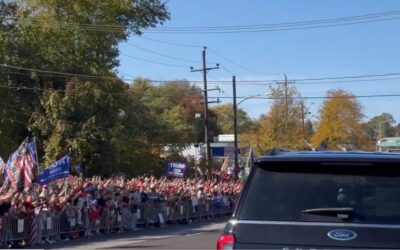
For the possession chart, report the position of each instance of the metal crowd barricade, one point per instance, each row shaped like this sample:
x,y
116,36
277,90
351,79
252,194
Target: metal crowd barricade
x,y
171,211
51,227
113,220
65,223
139,215
16,228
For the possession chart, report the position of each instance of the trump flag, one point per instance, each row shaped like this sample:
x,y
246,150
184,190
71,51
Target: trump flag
x,y
57,170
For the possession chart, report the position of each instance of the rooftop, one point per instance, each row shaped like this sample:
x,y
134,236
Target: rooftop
x,y
349,156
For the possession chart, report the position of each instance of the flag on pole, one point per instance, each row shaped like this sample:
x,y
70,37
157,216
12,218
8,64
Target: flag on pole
x,y
21,167
250,161
224,168
57,170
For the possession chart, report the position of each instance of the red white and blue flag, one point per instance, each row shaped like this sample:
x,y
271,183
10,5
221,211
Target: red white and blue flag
x,y
21,166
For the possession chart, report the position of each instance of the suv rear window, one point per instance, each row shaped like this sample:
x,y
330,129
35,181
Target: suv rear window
x,y
278,191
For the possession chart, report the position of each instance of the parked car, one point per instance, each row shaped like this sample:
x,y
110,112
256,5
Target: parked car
x,y
318,200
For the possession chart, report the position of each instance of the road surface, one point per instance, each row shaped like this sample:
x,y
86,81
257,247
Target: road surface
x,y
196,235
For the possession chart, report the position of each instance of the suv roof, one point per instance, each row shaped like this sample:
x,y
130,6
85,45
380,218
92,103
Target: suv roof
x,y
348,156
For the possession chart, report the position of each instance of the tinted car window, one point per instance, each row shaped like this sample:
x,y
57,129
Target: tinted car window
x,y
283,195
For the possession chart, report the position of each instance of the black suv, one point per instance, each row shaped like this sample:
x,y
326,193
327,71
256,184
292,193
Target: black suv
x,y
318,200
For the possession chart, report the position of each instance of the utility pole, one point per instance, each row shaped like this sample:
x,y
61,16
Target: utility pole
x,y
206,126
235,129
286,100
302,119
286,109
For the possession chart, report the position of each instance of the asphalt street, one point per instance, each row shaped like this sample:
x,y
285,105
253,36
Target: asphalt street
x,y
196,235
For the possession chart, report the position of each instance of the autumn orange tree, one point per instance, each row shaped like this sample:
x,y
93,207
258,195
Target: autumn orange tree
x,y
340,122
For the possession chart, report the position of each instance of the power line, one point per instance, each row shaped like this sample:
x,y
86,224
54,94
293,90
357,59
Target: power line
x,y
346,77
350,78
171,43
217,82
310,24
264,83
101,92
155,62
59,73
285,24
163,55
234,63
300,27
328,97
191,97
273,30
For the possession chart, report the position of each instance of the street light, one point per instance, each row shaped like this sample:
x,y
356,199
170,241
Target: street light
x,y
235,105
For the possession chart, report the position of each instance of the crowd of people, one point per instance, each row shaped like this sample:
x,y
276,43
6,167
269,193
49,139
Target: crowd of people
x,y
82,202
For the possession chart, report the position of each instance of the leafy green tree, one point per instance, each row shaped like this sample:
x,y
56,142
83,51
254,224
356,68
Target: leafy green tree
x,y
225,119
380,126
41,37
175,103
92,122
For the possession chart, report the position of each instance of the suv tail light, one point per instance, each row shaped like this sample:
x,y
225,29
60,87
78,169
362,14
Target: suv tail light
x,y
226,242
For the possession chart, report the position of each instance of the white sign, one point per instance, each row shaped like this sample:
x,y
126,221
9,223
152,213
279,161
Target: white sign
x,y
48,222
21,224
161,217
72,222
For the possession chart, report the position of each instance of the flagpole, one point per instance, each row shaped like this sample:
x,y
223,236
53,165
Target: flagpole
x,y
36,153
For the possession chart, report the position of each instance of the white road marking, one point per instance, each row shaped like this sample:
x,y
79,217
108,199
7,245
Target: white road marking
x,y
194,234
154,237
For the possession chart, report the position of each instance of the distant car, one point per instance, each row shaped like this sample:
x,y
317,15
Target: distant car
x,y
318,200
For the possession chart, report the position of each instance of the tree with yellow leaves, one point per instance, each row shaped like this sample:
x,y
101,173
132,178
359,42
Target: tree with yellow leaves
x,y
340,122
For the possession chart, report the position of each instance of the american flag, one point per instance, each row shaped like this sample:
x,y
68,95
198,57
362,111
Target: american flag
x,y
21,166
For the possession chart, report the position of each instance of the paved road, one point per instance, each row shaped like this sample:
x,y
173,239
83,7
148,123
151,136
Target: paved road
x,y
197,235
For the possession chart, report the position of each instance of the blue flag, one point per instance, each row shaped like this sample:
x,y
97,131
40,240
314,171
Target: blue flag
x,y
57,170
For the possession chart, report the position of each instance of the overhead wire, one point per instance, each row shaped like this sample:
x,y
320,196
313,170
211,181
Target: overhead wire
x,y
309,24
170,43
234,63
284,24
155,62
190,97
317,80
163,55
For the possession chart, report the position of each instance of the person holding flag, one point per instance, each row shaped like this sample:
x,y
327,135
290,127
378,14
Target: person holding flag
x,y
21,167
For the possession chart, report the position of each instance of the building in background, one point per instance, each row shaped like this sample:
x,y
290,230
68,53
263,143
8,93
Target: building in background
x,y
388,144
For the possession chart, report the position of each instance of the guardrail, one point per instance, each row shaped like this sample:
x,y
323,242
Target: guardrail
x,y
32,229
